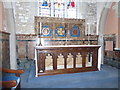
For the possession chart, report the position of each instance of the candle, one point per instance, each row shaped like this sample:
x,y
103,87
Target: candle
x,y
66,38
89,28
40,28
88,33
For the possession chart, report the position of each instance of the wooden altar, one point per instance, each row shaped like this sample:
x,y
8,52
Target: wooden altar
x,y
61,59
63,47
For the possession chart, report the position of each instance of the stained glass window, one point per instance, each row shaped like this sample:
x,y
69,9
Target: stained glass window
x,y
44,8
71,9
59,8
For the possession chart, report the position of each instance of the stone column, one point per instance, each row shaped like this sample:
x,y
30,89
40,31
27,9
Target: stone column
x,y
11,28
0,34
101,29
1,16
119,25
119,32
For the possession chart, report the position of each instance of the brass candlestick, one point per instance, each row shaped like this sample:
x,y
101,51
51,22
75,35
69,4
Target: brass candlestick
x,y
40,44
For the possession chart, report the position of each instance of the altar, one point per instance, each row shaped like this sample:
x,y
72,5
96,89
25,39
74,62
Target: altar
x,y
63,46
61,59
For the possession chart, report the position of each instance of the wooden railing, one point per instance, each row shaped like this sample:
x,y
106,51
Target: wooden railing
x,y
66,59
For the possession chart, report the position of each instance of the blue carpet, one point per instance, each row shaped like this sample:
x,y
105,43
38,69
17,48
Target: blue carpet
x,y
107,77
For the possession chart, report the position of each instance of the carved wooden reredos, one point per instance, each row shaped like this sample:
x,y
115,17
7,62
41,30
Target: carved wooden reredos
x,y
48,28
54,23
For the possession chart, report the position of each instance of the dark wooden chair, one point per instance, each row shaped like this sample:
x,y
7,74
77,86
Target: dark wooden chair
x,y
11,79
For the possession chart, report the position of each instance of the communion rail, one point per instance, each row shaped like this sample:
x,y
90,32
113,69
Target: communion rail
x,y
53,60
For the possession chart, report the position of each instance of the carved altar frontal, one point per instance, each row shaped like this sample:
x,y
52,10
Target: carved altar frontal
x,y
66,59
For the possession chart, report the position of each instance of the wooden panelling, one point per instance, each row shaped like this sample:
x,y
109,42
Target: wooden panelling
x,y
25,46
21,49
4,49
65,57
31,50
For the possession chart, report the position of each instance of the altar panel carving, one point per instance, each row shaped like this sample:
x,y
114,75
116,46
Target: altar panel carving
x,y
78,60
46,31
75,32
60,61
70,61
48,62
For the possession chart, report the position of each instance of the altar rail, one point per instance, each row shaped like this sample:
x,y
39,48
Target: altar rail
x,y
53,60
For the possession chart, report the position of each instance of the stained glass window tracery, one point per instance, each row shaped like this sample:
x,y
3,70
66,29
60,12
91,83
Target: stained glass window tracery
x,y
44,8
71,9
58,8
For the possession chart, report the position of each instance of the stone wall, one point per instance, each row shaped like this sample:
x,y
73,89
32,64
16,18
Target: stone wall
x,y
24,17
112,58
4,49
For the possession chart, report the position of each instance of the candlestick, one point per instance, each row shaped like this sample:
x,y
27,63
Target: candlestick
x,y
66,41
88,33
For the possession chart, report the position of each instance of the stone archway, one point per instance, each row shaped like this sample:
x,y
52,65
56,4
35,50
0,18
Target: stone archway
x,y
108,28
101,27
